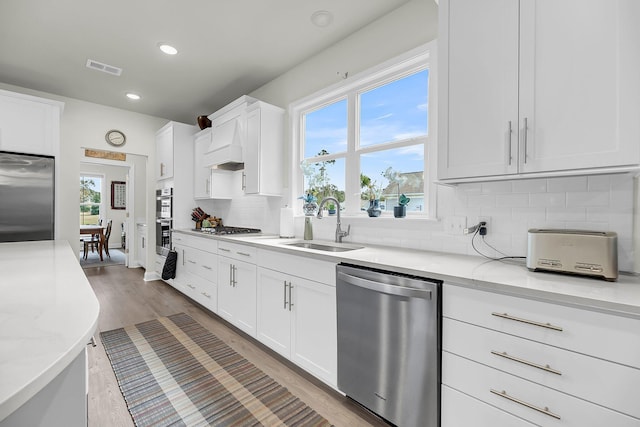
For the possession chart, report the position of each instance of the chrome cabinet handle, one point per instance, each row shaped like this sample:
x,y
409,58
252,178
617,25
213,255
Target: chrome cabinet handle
x,y
510,131
528,322
183,257
191,262
191,286
290,300
207,186
544,410
234,269
230,275
243,253
143,243
284,282
526,362
224,249
161,168
206,294
525,129
244,181
207,267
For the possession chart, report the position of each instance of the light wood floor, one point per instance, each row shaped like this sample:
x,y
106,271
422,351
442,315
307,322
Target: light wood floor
x,y
126,299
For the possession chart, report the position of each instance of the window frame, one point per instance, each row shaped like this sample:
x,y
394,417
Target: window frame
x,y
102,204
423,57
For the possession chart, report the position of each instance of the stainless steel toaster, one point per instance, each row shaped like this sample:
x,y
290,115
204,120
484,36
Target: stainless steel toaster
x,y
589,253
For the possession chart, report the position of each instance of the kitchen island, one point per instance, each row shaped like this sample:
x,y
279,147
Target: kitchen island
x,y
48,314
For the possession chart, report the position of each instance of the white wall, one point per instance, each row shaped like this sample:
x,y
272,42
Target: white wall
x,y
84,124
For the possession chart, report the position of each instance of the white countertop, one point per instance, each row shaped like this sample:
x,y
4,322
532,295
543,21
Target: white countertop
x,y
511,277
48,313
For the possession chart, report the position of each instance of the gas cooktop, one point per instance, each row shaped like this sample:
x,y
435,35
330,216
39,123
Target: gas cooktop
x,y
228,230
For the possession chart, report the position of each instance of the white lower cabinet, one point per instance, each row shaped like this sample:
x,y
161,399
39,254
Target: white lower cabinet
x,y
541,362
237,293
297,316
197,269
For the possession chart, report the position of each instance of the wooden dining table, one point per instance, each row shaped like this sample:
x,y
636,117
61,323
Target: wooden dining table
x,y
95,229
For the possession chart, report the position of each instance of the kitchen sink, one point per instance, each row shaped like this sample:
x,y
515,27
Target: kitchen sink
x,y
323,247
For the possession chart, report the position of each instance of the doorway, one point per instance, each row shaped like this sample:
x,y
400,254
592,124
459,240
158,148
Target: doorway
x,y
120,182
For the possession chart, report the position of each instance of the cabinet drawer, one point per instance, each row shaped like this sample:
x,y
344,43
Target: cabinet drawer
x,y
237,251
307,268
597,334
201,263
200,290
532,402
204,243
475,413
595,380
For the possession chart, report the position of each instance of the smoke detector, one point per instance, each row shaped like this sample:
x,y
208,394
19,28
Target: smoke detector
x,y
105,68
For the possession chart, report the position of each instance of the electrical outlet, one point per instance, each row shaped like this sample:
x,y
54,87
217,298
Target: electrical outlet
x,y
486,219
455,224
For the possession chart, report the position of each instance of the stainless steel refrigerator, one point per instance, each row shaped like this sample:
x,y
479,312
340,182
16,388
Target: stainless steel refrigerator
x,y
26,197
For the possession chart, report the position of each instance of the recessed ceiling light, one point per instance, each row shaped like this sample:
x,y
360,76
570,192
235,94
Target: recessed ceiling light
x,y
168,49
322,18
133,96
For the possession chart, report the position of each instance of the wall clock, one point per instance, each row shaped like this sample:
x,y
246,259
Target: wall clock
x,y
115,137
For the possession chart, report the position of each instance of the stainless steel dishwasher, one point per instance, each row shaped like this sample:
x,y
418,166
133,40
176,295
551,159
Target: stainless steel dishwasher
x,y
389,343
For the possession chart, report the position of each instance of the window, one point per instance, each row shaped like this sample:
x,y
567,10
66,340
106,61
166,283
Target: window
x,y
368,138
91,199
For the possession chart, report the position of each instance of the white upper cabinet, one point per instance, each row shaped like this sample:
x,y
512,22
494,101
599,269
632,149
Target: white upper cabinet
x,y
201,173
29,124
538,86
164,152
263,150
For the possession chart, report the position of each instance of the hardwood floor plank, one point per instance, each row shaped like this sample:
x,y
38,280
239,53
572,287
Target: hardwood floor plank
x,y
126,299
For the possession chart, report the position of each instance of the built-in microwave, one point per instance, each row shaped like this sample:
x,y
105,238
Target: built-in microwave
x,y
164,220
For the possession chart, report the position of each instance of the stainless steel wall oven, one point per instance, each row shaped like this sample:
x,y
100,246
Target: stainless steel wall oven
x,y
164,220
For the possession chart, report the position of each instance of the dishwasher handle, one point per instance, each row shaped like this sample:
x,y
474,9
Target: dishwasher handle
x,y
384,287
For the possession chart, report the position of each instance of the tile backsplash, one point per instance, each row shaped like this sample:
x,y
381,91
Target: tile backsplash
x,y
597,202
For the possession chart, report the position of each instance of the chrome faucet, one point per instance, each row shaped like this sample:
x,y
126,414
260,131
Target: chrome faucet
x,y
339,233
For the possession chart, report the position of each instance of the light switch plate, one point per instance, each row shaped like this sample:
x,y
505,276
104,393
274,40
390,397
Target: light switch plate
x,y
455,224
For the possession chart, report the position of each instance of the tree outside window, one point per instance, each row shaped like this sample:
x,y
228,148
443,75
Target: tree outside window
x,y
90,200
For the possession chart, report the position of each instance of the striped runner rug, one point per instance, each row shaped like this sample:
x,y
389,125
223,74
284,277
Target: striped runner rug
x,y
173,372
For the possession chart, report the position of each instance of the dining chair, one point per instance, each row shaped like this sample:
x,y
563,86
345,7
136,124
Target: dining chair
x,y
90,242
107,234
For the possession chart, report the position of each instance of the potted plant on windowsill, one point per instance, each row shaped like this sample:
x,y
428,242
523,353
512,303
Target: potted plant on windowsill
x,y
400,211
331,208
373,195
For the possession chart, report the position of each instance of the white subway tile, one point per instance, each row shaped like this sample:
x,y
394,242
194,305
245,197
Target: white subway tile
x,y
512,200
528,214
548,199
588,198
566,214
599,182
497,187
530,186
481,200
574,183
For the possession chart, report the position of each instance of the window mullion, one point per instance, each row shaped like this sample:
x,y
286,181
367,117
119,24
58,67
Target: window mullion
x,y
352,168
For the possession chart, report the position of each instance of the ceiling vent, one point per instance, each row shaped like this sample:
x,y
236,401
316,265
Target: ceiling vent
x,y
105,68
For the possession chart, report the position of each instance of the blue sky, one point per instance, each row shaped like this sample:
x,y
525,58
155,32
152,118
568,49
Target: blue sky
x,y
391,112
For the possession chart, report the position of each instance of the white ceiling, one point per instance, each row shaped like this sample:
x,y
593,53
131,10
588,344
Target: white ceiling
x,y
227,48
